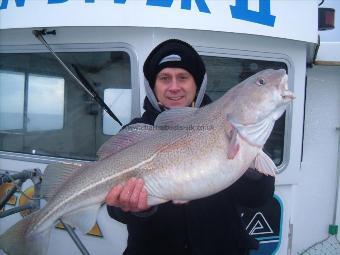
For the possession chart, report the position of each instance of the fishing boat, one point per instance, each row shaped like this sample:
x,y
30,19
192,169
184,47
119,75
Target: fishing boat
x,y
71,75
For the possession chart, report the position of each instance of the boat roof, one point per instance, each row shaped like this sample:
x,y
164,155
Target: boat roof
x,y
289,19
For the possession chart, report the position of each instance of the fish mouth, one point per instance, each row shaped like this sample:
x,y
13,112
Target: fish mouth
x,y
286,95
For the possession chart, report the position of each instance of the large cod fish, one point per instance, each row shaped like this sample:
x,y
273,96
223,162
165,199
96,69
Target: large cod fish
x,y
189,154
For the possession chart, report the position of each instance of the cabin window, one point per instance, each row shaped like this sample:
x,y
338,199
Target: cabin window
x,y
12,88
44,111
45,103
41,108
224,73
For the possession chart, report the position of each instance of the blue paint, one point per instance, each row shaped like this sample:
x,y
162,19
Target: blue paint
x,y
18,3
185,4
263,16
115,1
278,199
201,5
239,11
56,1
266,249
160,3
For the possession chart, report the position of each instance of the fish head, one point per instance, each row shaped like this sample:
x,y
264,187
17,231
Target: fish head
x,y
263,95
254,105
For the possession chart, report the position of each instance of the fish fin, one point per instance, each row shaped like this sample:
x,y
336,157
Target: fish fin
x,y
54,176
255,134
234,145
152,200
125,138
16,241
264,164
174,116
180,202
82,219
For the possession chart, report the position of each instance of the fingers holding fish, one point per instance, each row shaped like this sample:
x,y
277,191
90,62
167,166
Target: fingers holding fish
x,y
125,195
135,195
130,197
113,196
138,199
142,203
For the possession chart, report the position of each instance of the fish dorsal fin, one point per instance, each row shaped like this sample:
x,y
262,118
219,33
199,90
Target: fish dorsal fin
x,y
83,218
256,134
54,176
264,164
130,135
174,116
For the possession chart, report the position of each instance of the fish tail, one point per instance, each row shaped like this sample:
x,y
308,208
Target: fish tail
x,y
17,241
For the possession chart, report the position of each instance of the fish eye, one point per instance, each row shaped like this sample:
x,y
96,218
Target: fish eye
x,y
260,82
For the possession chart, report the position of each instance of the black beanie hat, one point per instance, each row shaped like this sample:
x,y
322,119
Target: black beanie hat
x,y
174,53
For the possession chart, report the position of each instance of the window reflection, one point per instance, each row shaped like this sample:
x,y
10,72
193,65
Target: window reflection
x,y
118,100
12,90
45,108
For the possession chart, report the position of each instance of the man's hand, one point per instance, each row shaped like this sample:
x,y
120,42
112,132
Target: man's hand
x,y
130,197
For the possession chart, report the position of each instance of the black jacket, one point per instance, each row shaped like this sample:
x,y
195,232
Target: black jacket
x,y
207,226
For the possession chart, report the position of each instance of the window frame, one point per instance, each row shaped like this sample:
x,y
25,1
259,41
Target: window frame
x,y
264,56
72,47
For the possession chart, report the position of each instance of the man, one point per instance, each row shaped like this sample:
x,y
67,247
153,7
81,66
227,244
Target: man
x,y
175,76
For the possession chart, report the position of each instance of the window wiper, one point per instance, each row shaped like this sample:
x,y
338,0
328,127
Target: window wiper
x,y
96,97
81,80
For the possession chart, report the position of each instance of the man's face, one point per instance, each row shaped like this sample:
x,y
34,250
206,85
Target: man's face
x,y
175,87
